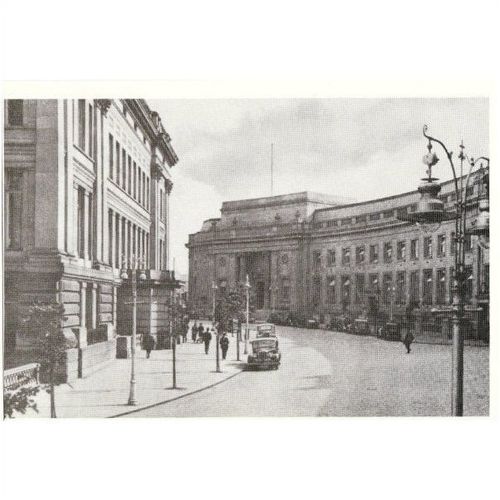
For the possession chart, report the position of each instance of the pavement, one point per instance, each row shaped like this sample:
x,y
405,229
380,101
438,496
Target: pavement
x,y
105,393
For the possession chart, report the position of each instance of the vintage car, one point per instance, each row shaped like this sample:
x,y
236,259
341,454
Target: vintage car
x,y
265,354
265,330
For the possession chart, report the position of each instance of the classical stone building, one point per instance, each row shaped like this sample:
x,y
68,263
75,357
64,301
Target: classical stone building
x,y
87,185
321,257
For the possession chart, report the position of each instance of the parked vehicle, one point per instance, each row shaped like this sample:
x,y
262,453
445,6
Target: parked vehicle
x,y
361,326
266,330
391,331
265,354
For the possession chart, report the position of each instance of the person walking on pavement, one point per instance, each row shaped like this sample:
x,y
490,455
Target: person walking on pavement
x,y
201,331
185,330
194,332
407,340
148,344
207,337
224,345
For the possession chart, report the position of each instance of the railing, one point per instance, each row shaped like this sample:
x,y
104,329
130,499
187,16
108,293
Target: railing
x,y
21,375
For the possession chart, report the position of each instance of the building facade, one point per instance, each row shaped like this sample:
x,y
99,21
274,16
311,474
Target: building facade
x,y
87,186
319,257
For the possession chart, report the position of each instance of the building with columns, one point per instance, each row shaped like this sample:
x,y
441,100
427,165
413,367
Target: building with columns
x,y
87,186
321,257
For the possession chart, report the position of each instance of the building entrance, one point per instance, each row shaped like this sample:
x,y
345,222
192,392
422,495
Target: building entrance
x,y
260,290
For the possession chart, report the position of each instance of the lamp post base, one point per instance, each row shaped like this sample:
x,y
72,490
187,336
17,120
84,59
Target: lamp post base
x,y
132,401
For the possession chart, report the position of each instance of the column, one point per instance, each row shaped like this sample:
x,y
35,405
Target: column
x,y
74,232
112,243
70,196
82,341
93,326
86,225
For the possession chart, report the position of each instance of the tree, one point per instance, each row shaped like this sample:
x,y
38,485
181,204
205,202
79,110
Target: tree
x,y
231,304
19,398
44,320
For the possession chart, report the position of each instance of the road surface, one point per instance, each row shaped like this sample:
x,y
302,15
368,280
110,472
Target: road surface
x,y
336,374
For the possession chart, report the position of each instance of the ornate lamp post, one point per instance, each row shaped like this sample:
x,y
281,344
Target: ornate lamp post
x,y
217,356
173,336
132,268
247,294
430,210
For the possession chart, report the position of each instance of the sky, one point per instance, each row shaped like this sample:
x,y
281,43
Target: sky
x,y
353,148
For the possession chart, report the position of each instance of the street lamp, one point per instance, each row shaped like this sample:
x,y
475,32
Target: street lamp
x,y
217,356
132,269
247,294
173,336
430,209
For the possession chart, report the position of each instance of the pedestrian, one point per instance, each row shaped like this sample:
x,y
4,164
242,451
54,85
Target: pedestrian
x,y
148,344
207,337
408,339
224,345
194,332
185,330
201,331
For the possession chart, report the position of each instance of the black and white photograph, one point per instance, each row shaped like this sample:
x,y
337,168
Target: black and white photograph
x,y
246,248
246,257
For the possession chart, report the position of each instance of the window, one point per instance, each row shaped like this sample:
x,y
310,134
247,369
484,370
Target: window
x,y
441,245
80,227
453,244
81,124
388,252
13,209
374,216
316,259
388,214
316,290
15,112
129,185
331,257
414,287
346,255
346,290
360,288
161,204
91,132
143,187
469,279
134,187
387,288
441,286
147,193
360,254
331,290
428,247
401,250
400,287
346,221
401,212
414,249
427,286
451,283
117,262
117,158
111,153
360,219
374,253
124,169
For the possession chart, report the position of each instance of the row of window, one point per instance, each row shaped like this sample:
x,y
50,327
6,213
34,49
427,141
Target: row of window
x,y
126,240
346,288
127,174
15,112
85,127
362,219
388,249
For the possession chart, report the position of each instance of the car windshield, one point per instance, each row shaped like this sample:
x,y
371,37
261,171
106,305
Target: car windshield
x,y
263,345
266,331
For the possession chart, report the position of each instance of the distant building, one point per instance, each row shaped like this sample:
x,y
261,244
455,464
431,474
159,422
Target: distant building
x,y
314,255
87,186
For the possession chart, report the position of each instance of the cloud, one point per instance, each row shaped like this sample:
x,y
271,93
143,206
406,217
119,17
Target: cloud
x,y
356,148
